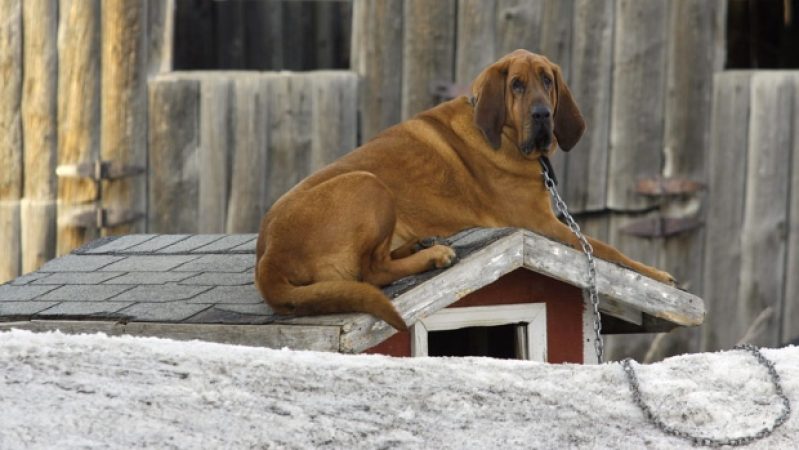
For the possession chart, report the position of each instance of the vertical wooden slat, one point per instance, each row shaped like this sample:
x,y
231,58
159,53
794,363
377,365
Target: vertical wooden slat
x,y
428,52
173,142
586,177
636,133
476,48
39,128
689,86
214,152
377,57
519,24
763,237
789,312
726,188
334,116
636,128
123,107
556,33
250,133
11,145
78,112
160,35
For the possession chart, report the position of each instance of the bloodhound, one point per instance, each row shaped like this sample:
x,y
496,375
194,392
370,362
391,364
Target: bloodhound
x,y
327,244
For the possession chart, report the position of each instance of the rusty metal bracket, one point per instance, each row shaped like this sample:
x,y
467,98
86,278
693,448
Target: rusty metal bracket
x,y
447,90
658,186
98,170
661,226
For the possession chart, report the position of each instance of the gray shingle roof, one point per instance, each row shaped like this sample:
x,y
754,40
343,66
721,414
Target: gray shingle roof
x,y
201,286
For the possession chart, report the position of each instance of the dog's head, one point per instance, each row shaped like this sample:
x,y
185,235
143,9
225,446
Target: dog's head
x,y
526,93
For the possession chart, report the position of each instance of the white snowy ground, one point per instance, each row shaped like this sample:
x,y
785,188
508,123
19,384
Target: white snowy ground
x,y
94,391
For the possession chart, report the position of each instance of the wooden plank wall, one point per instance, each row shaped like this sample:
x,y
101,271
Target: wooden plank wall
x,y
751,253
73,77
225,145
11,177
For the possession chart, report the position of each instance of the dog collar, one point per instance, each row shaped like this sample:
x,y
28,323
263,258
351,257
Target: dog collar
x,y
546,165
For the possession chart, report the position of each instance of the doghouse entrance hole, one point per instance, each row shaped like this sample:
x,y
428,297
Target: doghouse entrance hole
x,y
494,342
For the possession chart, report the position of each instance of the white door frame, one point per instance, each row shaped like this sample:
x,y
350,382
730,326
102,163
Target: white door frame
x,y
531,316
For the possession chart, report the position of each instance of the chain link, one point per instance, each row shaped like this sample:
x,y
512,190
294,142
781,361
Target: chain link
x,y
635,387
588,250
632,378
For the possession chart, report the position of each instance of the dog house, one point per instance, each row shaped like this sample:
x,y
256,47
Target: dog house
x,y
512,293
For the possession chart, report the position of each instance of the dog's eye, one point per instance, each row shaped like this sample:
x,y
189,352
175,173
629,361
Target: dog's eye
x,y
517,85
546,81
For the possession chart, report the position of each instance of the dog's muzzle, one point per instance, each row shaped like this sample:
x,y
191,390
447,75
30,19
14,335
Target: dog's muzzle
x,y
540,137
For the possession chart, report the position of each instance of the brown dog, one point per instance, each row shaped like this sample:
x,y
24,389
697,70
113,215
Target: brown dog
x,y
326,244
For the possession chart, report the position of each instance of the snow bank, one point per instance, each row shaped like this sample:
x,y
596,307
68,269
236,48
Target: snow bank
x,y
88,391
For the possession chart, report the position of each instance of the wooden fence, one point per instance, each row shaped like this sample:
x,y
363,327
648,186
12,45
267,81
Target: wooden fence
x,y
223,146
751,261
220,147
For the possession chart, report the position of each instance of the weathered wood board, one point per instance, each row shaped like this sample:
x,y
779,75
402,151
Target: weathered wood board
x,y
39,130
586,178
376,56
78,113
428,52
763,234
231,143
173,141
11,145
124,105
476,47
726,185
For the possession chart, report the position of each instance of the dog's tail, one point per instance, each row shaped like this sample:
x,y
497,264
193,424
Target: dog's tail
x,y
327,297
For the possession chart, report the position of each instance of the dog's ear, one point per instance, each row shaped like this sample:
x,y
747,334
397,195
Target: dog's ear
x,y
569,122
489,110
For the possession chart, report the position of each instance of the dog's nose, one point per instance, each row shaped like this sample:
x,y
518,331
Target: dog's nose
x,y
540,112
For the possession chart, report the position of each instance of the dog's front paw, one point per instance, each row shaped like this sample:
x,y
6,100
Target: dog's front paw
x,y
441,256
429,242
664,277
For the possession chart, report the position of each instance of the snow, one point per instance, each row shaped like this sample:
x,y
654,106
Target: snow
x,y
94,391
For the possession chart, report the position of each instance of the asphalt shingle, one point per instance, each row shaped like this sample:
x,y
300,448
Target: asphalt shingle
x,y
14,293
219,263
229,294
85,293
79,263
161,293
149,263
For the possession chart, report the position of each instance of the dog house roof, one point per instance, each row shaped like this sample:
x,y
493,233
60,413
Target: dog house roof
x,y
201,286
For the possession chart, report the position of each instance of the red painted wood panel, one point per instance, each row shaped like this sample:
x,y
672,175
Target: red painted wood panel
x,y
564,313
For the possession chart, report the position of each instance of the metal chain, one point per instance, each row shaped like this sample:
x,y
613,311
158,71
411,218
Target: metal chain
x,y
588,250
707,441
635,387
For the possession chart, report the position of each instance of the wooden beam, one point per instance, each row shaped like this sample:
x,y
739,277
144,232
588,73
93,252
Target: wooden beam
x,y
763,237
173,141
40,134
726,182
377,58
78,112
428,52
123,121
476,39
11,144
628,288
586,176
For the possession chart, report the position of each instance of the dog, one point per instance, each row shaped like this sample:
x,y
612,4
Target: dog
x,y
328,244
